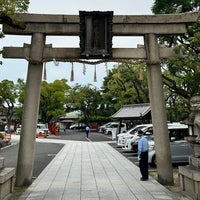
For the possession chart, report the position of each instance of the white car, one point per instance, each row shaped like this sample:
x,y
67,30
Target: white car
x,y
134,146
78,126
133,137
18,131
103,127
177,131
129,134
128,141
42,128
112,129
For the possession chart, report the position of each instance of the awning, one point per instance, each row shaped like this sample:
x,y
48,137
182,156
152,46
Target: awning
x,y
67,121
134,111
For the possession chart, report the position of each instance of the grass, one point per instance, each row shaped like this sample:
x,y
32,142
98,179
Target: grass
x,y
18,191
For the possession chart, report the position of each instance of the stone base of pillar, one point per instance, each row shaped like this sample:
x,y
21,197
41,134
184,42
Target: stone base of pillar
x,y
7,179
190,175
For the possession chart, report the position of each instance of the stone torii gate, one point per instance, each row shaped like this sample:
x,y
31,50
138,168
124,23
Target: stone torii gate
x,y
148,26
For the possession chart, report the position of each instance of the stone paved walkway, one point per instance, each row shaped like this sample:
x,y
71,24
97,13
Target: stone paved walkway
x,y
93,171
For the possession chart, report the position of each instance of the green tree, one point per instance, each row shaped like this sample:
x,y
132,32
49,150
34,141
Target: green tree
x,y
11,7
125,84
8,97
8,13
175,6
20,90
9,10
87,99
181,77
53,100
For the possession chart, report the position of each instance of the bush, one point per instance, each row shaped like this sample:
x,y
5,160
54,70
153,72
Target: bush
x,y
1,136
96,119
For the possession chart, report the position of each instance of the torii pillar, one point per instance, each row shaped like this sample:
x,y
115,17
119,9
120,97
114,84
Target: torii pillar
x,y
158,111
26,154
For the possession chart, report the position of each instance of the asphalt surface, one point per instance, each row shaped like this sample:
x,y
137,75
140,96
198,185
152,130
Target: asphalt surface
x,y
45,152
80,135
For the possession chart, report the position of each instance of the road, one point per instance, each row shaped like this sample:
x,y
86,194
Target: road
x,y
45,152
81,136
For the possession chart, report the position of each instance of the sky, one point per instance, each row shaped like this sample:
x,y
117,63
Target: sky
x,y
12,69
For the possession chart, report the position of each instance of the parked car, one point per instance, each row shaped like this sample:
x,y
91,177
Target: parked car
x,y
180,152
42,131
112,129
150,138
103,127
78,126
41,135
177,131
5,139
130,140
180,148
18,130
4,143
122,137
11,128
129,137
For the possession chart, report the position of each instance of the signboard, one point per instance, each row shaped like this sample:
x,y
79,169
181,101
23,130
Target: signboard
x,y
96,34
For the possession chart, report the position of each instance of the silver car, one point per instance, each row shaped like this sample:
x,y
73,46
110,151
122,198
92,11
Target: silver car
x,y
180,152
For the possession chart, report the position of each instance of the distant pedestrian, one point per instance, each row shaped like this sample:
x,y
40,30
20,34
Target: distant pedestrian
x,y
143,147
87,130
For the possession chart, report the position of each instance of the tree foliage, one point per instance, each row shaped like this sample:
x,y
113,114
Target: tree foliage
x,y
175,6
10,7
8,97
8,11
20,90
53,100
181,76
125,84
87,99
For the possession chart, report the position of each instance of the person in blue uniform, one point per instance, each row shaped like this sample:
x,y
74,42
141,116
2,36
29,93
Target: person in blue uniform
x,y
87,130
143,148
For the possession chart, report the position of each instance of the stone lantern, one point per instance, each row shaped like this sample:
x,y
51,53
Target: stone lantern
x,y
190,175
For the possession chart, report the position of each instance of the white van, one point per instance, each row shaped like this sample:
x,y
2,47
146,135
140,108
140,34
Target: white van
x,y
122,137
112,129
42,128
103,127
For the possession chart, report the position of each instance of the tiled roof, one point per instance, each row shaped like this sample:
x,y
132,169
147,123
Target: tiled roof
x,y
133,111
72,115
